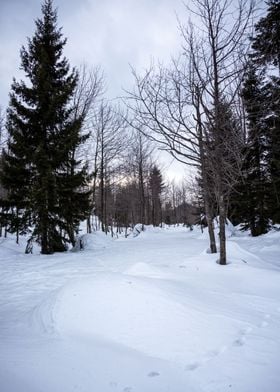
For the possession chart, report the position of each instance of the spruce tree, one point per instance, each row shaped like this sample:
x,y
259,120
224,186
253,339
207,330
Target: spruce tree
x,y
156,187
266,43
255,189
266,52
272,95
40,168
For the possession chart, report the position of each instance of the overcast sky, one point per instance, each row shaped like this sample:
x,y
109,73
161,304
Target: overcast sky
x,y
111,33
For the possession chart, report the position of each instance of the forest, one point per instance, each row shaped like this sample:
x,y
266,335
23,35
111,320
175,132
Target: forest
x,y
69,154
115,276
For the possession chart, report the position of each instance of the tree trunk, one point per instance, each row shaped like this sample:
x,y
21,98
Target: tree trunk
x,y
17,232
44,243
205,186
102,217
209,220
44,227
89,229
72,235
142,194
222,222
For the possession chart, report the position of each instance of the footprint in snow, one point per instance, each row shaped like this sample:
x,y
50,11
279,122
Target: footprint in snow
x,y
153,374
127,389
246,330
208,356
242,339
212,354
192,366
239,342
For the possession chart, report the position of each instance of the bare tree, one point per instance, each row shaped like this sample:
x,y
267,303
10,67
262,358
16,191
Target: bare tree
x,y
86,100
167,108
218,51
88,93
183,108
140,160
108,138
177,206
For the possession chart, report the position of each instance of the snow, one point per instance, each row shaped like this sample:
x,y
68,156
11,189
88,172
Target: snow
x,y
93,241
152,313
137,229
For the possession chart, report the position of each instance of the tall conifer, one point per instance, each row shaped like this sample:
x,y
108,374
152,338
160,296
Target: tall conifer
x,y
266,53
156,186
255,189
266,43
40,170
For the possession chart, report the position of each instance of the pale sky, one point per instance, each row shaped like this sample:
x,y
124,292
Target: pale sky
x,y
113,34
109,33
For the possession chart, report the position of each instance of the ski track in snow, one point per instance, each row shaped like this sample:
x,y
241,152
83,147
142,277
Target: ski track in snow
x,y
153,313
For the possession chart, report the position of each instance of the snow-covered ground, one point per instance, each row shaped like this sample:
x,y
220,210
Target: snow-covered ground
x,y
152,313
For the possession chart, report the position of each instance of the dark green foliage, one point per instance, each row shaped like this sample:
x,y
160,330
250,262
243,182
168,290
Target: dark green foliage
x,y
266,43
45,181
156,186
266,52
272,91
257,200
255,187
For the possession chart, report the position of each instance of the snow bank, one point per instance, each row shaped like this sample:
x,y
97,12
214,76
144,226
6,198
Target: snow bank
x,y
154,314
137,229
138,314
93,241
230,229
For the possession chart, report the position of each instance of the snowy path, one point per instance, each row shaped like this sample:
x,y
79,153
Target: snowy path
x,y
150,314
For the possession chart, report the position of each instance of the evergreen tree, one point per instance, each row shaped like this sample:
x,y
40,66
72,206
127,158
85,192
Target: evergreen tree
x,y
41,172
266,51
272,95
255,189
266,43
156,187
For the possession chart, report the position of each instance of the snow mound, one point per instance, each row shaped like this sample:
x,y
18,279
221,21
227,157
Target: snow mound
x,y
154,229
93,241
133,312
137,229
230,229
237,253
